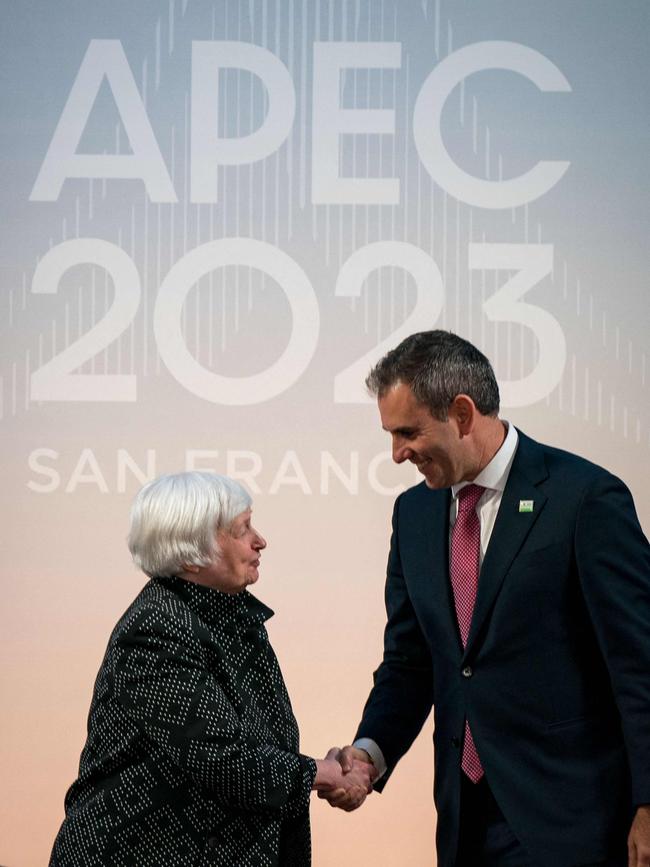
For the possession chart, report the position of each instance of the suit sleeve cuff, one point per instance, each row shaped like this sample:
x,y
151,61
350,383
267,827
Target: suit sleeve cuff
x,y
375,754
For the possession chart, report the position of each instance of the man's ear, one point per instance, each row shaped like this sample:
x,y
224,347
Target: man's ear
x,y
463,411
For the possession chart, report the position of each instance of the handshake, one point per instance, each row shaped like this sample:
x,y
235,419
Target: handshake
x,y
344,777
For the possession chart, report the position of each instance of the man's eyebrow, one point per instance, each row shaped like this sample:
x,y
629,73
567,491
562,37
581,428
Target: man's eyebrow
x,y
400,430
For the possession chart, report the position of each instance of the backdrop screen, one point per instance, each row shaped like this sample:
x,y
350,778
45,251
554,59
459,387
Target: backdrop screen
x,y
215,217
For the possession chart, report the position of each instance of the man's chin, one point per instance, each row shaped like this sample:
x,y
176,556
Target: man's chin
x,y
435,484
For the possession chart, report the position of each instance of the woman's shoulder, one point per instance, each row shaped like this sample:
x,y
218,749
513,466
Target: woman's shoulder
x,y
155,609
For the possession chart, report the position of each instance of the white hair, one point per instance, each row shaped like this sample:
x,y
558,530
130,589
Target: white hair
x,y
175,518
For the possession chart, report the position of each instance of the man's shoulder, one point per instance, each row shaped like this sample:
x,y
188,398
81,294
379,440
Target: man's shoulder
x,y
558,461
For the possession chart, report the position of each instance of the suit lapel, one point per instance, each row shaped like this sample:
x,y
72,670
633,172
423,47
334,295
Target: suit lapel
x,y
511,528
443,597
430,551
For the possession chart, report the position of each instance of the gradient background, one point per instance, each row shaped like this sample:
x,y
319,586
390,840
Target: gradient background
x,y
72,466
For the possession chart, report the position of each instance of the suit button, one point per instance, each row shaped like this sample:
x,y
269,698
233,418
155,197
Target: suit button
x,y
467,671
212,843
455,742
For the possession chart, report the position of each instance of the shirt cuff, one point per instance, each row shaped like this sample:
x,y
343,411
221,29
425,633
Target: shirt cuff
x,y
375,754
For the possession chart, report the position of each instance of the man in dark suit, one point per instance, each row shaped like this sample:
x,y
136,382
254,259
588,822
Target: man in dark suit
x,y
518,601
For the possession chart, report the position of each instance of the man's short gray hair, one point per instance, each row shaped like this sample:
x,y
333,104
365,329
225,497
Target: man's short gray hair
x,y
438,365
174,520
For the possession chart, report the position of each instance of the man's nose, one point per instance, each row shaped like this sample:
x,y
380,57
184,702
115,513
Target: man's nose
x,y
401,452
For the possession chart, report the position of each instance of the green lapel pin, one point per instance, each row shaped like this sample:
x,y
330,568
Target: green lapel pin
x,y
526,505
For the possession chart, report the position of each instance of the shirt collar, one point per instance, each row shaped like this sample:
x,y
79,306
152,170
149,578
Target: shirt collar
x,y
495,475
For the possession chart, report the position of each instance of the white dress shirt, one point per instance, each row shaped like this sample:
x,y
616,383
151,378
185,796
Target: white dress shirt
x,y
493,478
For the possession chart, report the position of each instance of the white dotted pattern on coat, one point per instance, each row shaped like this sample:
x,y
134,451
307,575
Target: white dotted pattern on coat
x,y
192,752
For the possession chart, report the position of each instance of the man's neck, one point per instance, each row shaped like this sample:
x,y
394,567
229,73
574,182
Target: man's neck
x,y
489,439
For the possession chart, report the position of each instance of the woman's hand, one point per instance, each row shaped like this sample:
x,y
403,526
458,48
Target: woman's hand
x,y
348,790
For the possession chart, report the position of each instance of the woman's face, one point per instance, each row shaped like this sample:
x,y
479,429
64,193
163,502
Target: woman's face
x,y
238,562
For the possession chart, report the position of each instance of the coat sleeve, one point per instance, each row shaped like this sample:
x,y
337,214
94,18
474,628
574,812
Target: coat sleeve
x,y
162,684
613,559
402,694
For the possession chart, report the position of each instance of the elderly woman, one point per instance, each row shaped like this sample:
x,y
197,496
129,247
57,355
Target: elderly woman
x,y
192,751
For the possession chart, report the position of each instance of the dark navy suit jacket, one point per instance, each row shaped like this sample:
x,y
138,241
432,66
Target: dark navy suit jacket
x,y
555,678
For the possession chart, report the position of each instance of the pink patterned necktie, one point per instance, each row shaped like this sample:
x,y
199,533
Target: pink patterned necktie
x,y
464,568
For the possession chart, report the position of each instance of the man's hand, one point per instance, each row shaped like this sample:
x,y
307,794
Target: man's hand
x,y
638,841
348,755
357,774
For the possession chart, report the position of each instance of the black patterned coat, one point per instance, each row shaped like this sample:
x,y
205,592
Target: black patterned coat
x,y
192,751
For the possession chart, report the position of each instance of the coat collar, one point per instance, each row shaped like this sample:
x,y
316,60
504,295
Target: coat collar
x,y
213,606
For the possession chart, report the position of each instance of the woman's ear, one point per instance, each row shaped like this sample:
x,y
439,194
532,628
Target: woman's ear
x,y
190,567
